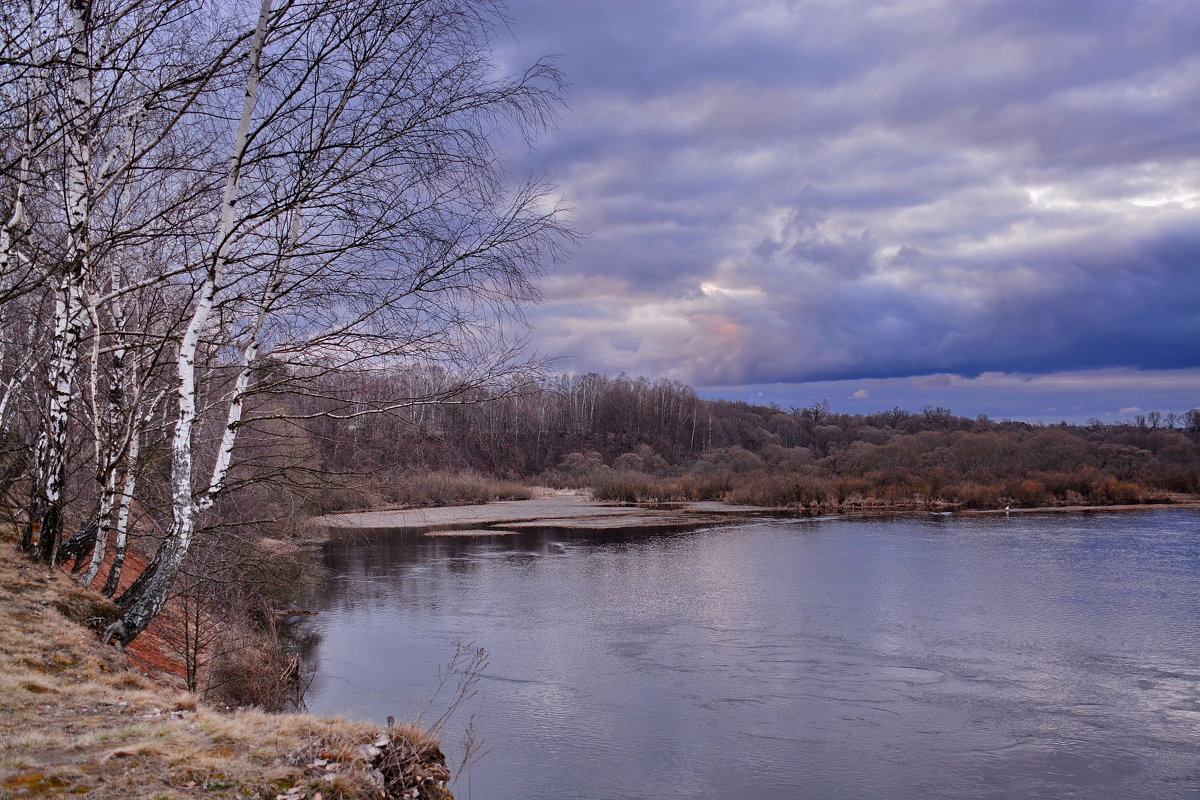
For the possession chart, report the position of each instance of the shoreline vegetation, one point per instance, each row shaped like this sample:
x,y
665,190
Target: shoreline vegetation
x,y
78,717
635,440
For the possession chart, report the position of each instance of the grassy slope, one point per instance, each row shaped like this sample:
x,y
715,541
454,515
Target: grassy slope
x,y
76,719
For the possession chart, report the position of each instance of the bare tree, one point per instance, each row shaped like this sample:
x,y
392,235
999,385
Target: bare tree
x,y
365,223
226,213
106,85
28,44
69,319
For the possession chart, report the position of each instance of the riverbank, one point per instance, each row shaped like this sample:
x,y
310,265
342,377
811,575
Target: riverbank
x,y
549,509
78,718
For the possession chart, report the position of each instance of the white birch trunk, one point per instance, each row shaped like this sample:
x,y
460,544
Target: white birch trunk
x,y
108,498
146,597
10,232
122,524
16,218
113,426
69,310
52,440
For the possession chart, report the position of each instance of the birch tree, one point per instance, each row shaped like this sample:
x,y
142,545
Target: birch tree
x,y
24,140
110,87
365,221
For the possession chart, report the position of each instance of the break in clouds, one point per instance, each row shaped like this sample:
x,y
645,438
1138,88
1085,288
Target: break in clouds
x,y
799,191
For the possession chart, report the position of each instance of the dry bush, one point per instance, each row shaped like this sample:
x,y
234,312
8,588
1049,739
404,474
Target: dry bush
x,y
1177,479
1030,493
414,761
627,486
1112,490
761,489
777,490
1065,485
453,489
713,485
257,673
847,488
244,656
973,495
729,459
903,491
576,471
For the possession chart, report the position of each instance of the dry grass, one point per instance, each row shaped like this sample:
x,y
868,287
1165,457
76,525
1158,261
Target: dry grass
x,y
76,719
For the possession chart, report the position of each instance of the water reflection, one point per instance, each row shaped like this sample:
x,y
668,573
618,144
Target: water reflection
x,y
1028,656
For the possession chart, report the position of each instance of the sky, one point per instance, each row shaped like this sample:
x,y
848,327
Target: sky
x,y
987,205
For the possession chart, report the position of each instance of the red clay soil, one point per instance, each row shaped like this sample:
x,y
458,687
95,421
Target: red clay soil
x,y
151,651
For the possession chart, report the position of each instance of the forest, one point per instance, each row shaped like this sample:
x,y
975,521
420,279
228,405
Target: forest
x,y
634,439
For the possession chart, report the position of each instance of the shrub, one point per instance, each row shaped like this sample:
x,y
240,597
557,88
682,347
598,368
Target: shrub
x,y
775,490
629,462
846,487
1030,493
708,486
1176,479
1065,484
1112,490
627,486
973,495
761,489
454,489
259,673
902,491
728,459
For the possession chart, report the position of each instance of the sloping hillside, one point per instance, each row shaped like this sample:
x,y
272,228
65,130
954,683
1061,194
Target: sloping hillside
x,y
77,719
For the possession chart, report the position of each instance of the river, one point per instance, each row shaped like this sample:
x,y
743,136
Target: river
x,y
982,656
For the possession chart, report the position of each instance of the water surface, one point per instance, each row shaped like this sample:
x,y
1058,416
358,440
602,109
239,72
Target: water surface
x,y
1031,656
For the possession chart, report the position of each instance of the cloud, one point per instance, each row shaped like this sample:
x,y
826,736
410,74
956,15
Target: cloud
x,y
833,190
1109,394
933,381
859,394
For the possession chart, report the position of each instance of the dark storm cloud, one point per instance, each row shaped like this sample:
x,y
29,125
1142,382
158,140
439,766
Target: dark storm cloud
x,y
837,189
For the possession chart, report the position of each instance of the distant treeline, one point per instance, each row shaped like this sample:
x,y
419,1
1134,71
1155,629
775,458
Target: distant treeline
x,y
636,439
